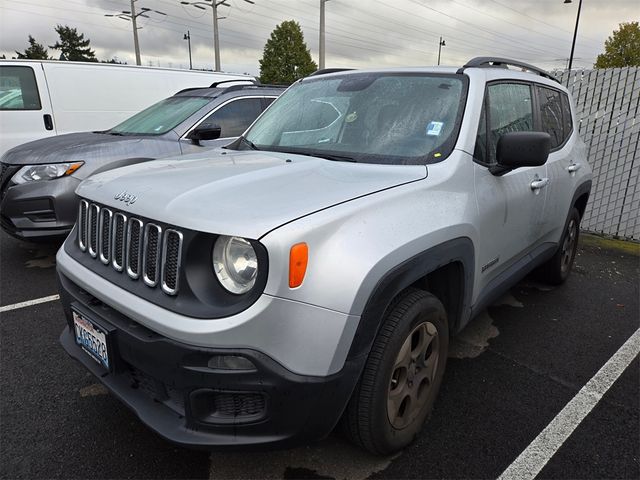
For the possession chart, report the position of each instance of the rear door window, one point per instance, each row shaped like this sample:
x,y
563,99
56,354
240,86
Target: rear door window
x,y
551,115
18,89
236,116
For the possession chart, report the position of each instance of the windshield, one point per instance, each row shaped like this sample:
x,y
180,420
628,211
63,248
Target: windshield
x,y
396,118
161,117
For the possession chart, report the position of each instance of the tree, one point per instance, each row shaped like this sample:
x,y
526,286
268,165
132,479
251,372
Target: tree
x,y
73,46
622,49
286,57
36,51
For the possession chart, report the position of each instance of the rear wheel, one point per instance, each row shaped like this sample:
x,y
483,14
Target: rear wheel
x,y
402,375
556,270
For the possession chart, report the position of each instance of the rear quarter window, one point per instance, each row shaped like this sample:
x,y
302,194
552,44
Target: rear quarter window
x,y
567,120
18,89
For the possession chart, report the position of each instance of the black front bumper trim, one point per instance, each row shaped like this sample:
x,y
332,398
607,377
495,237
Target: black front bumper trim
x,y
168,386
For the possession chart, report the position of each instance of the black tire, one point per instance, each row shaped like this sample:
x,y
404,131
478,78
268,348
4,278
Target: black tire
x,y
557,269
367,420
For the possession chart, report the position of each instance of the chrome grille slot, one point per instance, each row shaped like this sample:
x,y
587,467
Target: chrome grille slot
x,y
134,247
104,237
144,249
171,259
118,241
151,254
82,225
92,229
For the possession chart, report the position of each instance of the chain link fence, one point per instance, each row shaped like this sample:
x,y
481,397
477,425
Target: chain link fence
x,y
607,104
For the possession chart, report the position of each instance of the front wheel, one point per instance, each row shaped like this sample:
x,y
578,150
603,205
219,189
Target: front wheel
x,y
556,270
402,376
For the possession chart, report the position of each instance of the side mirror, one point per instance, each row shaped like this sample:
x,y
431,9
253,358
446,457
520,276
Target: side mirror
x,y
521,149
205,131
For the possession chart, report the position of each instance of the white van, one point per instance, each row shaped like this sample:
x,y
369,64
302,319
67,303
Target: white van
x,y
40,98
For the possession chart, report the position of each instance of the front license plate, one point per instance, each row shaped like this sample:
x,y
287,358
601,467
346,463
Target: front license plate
x,y
91,338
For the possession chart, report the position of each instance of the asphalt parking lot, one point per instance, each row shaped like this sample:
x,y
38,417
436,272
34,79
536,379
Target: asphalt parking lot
x,y
517,368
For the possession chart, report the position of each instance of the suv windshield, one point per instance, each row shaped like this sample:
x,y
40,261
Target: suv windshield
x,y
395,118
161,117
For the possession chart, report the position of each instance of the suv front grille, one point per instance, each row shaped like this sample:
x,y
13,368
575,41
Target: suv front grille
x,y
142,249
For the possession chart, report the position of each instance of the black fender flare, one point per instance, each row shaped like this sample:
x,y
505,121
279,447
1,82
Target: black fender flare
x,y
459,250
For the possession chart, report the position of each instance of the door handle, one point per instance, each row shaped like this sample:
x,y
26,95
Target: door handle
x,y
48,121
574,167
539,183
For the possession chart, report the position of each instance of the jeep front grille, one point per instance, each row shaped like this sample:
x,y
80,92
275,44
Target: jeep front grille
x,y
129,244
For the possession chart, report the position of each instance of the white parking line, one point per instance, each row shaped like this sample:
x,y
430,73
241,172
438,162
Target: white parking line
x,y
546,444
28,303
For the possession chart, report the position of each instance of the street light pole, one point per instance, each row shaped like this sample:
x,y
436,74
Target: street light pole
x,y
441,44
136,44
575,32
321,52
187,37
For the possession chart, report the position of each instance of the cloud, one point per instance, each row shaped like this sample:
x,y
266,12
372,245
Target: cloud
x,y
359,33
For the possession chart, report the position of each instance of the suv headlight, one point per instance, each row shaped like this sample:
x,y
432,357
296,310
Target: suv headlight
x,y
36,173
235,263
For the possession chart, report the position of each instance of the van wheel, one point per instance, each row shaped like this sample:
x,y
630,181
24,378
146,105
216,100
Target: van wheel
x,y
556,270
402,376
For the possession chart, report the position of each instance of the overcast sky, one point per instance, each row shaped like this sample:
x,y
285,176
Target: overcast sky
x,y
359,33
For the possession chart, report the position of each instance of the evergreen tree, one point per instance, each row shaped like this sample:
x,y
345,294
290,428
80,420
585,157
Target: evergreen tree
x,y
286,57
622,49
73,46
36,51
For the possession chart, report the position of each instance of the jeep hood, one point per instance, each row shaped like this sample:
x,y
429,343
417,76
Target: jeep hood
x,y
246,194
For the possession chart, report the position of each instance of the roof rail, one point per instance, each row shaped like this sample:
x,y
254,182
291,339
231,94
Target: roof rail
x,y
250,80
324,71
233,88
495,62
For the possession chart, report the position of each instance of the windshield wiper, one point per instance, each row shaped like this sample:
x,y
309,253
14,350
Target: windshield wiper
x,y
328,156
114,133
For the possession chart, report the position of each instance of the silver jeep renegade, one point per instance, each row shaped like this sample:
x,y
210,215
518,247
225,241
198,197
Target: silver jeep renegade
x,y
314,271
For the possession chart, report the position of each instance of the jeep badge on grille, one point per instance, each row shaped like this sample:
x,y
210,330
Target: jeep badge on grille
x,y
125,197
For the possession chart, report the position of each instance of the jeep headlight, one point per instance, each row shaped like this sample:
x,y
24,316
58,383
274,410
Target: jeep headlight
x,y
36,173
235,263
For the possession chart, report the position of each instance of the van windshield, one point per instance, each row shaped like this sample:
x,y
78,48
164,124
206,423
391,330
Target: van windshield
x,y
160,117
384,117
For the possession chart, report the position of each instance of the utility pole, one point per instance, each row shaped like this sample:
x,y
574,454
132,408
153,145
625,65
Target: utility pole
x,y
322,50
216,39
136,44
132,16
214,4
441,44
187,37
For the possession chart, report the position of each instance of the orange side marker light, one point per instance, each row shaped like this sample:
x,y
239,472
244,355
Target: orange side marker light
x,y
298,258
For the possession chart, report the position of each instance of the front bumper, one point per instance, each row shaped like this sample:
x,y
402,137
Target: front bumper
x,y
171,389
39,210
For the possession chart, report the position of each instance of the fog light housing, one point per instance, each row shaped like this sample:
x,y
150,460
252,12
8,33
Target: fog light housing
x,y
230,362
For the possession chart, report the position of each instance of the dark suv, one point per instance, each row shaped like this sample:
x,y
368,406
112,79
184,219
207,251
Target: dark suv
x,y
38,179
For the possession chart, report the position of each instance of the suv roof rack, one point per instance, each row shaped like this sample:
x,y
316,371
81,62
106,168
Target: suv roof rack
x,y
324,71
251,84
495,62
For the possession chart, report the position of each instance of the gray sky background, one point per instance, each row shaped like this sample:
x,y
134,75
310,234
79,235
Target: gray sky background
x,y
360,33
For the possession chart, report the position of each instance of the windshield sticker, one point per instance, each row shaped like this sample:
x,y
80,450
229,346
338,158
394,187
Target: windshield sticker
x,y
351,117
437,155
434,128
